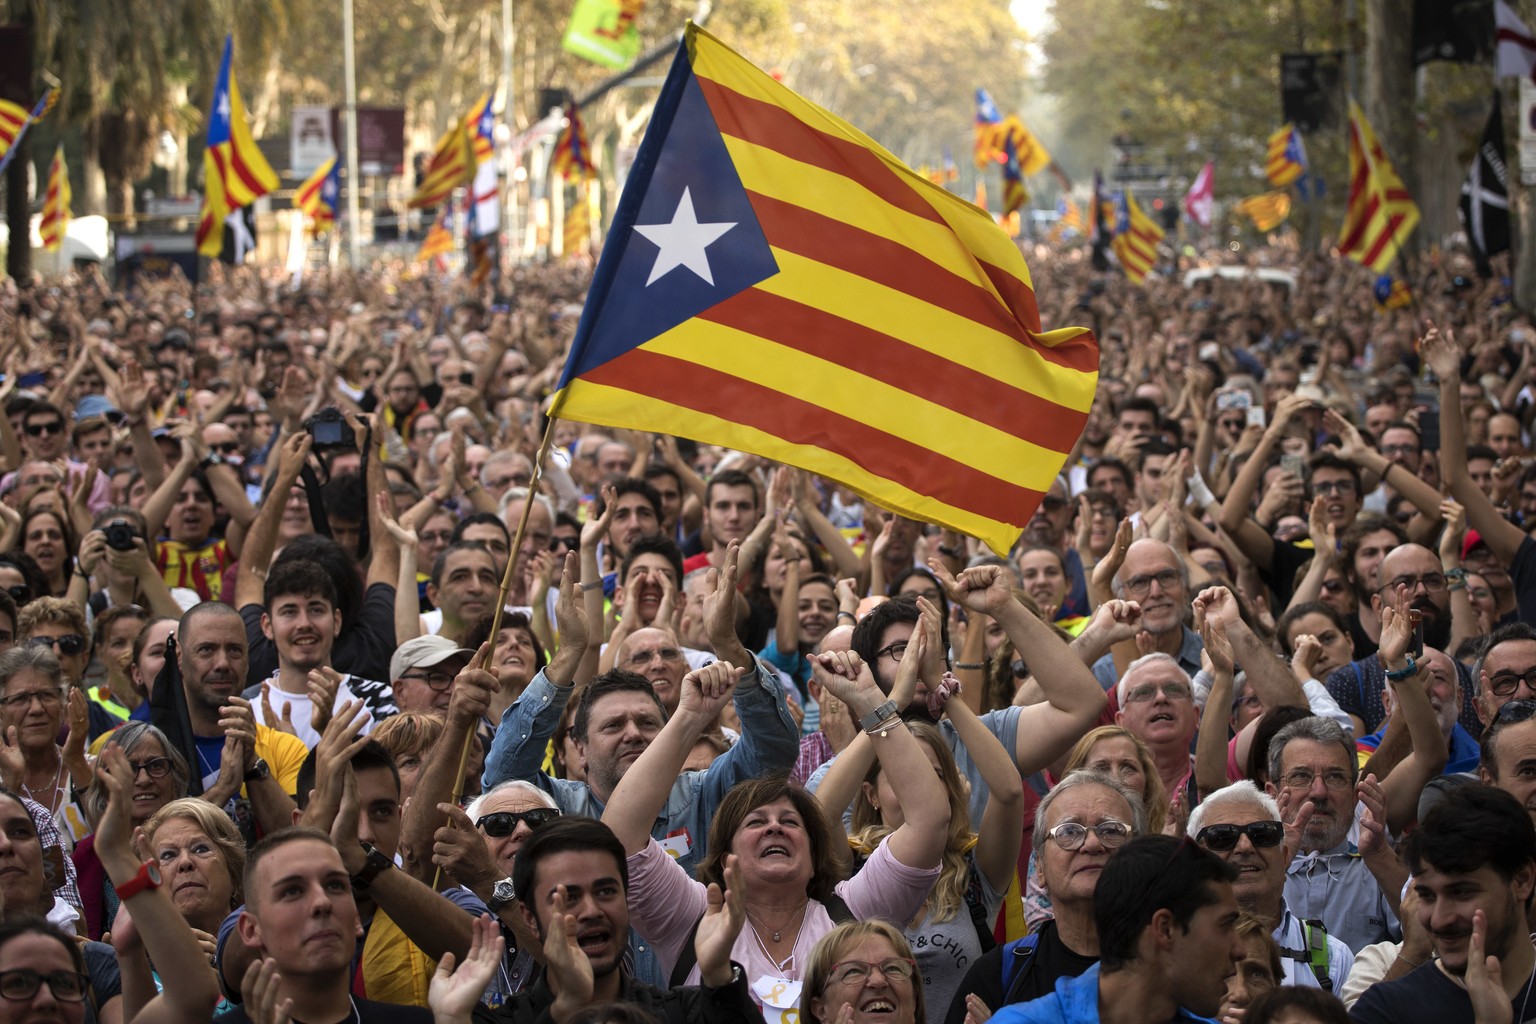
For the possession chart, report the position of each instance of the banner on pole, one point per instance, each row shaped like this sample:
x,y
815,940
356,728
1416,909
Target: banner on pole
x,y
604,32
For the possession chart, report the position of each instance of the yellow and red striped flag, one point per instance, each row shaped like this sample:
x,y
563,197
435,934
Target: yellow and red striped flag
x,y
777,282
12,118
1033,156
1380,214
319,195
480,123
235,174
452,165
56,206
576,237
439,240
1136,238
1287,157
1267,210
572,156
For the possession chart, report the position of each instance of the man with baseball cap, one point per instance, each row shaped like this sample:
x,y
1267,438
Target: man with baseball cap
x,y
422,673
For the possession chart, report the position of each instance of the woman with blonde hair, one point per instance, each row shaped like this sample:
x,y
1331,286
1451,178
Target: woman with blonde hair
x,y
859,963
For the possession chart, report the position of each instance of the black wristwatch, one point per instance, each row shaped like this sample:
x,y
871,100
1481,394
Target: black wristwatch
x,y
374,864
502,895
258,771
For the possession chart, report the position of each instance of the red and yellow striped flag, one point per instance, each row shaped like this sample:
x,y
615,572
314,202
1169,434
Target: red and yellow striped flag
x,y
452,165
1381,214
1267,210
1136,238
12,118
235,174
56,206
439,240
1287,158
572,156
576,237
777,282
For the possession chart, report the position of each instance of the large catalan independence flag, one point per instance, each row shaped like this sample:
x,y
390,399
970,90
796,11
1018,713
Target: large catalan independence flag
x,y
235,173
777,282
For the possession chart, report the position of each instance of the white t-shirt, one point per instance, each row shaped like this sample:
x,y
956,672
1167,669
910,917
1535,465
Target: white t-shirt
x,y
303,709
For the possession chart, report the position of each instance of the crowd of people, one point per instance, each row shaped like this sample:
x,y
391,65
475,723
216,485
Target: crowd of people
x,y
1243,727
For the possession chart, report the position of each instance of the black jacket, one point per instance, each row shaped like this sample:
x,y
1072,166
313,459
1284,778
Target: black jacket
x,y
687,1004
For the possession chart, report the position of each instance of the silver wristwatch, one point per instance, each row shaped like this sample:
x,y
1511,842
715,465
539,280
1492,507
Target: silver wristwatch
x,y
502,895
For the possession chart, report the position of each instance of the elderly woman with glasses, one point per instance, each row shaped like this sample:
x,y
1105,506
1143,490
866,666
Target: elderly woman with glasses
x,y
160,775
863,970
32,694
59,625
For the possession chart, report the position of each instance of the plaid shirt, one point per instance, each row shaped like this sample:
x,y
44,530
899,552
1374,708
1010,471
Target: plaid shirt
x,y
48,835
815,751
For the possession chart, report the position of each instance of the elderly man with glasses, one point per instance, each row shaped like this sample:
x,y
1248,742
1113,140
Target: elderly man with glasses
x,y
1154,576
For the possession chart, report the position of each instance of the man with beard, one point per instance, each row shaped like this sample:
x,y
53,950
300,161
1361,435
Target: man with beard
x,y
302,621
1036,735
1241,825
1473,860
1410,578
263,763
1313,761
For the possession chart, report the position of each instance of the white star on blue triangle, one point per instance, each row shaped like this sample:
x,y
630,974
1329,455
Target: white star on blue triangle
x,y
683,241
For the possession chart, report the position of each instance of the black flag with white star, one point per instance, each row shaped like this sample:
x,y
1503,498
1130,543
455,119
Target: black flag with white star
x,y
1485,195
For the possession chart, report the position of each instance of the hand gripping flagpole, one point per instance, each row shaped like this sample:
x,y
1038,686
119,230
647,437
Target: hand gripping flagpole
x,y
501,605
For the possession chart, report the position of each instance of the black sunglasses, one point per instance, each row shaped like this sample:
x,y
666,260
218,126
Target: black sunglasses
x,y
569,543
504,823
51,427
1221,838
69,644
225,447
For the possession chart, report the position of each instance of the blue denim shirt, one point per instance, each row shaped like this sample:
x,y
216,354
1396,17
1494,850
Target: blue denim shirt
x,y
769,744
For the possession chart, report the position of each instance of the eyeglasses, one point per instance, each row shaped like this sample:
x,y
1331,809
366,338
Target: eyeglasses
x,y
1434,583
503,823
38,430
155,767
895,651
21,593
1339,487
568,543
646,657
22,984
437,681
1334,586
1505,683
21,701
1302,778
1221,838
436,537
1390,450
1071,835
1141,586
1148,692
857,972
1053,503
68,645
225,447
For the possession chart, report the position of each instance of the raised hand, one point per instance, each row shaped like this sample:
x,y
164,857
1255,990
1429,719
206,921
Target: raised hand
x,y
259,993
1294,820
1114,558
1373,818
1115,621
720,926
12,765
473,689
460,850
454,994
564,961
596,527
982,588
707,690
283,723
1396,631
570,611
1213,631
324,684
1484,977
720,603
1307,649
1440,351
844,675
114,832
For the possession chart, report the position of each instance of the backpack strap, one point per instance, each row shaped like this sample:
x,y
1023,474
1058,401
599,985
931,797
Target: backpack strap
x,y
1317,952
688,956
1314,952
1017,957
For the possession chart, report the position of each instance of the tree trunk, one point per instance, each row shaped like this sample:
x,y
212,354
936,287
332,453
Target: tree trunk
x,y
1390,88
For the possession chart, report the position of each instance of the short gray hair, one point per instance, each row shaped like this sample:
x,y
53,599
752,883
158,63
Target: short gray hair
x,y
1147,659
1090,777
39,659
518,494
1317,729
1243,792
478,803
